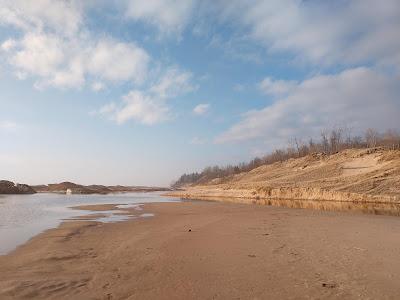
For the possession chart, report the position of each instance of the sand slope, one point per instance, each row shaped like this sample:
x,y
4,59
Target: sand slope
x,y
351,175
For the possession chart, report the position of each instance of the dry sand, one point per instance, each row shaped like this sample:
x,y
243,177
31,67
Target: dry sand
x,y
233,251
353,175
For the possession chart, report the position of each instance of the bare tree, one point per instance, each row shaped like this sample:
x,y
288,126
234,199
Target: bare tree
x,y
335,140
331,142
324,141
391,139
371,137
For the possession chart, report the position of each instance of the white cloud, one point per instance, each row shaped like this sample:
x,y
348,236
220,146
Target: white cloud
x,y
106,110
197,141
56,49
68,63
142,108
98,86
323,32
167,15
173,83
71,77
273,87
38,54
64,17
116,61
237,47
201,109
358,98
8,45
150,106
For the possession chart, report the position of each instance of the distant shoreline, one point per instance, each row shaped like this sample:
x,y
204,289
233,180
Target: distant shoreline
x,y
9,188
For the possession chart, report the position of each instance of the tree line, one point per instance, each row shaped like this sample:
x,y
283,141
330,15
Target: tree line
x,y
330,142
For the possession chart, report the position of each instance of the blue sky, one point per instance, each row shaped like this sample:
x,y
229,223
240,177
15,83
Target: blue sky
x,y
138,92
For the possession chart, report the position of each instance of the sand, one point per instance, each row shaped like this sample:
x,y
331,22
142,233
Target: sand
x,y
353,175
211,250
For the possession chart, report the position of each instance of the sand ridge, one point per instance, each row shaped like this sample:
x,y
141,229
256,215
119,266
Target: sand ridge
x,y
369,175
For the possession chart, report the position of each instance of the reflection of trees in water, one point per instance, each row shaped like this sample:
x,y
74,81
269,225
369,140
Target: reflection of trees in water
x,y
392,209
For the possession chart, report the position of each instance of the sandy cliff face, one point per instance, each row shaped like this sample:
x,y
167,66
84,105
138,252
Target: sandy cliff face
x,y
351,175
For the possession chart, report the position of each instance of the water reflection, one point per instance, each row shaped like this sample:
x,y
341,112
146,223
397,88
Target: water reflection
x,y
104,216
24,216
392,209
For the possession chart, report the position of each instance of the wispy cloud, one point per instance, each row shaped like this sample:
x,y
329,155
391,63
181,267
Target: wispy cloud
x,y
8,126
273,87
98,86
197,141
150,106
201,109
62,17
168,16
237,47
8,45
358,98
239,87
322,32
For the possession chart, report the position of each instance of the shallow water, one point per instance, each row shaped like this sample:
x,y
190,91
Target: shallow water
x,y
24,216
391,209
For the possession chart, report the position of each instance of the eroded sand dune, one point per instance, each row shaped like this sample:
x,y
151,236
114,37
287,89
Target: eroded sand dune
x,y
370,175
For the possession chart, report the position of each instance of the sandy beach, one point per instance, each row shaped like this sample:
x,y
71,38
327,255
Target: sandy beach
x,y
211,250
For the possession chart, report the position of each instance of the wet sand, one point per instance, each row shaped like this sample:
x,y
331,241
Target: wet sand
x,y
211,250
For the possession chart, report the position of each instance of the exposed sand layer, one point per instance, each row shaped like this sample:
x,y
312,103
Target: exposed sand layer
x,y
211,250
367,175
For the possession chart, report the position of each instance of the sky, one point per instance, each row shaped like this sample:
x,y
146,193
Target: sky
x,y
138,92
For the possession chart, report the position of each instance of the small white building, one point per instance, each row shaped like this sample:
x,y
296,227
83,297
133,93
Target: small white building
x,y
68,192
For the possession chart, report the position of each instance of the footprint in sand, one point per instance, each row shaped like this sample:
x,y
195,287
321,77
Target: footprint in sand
x,y
329,285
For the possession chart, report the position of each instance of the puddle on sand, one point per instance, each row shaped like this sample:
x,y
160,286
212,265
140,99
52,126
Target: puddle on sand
x,y
111,216
146,215
104,216
135,206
